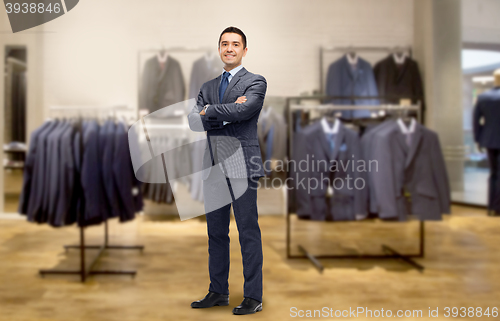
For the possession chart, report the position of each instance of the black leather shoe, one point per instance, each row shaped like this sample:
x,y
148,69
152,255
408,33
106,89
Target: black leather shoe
x,y
211,299
248,306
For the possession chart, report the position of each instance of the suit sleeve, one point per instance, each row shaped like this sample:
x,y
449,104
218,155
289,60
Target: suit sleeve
x,y
476,121
234,112
383,179
360,194
440,176
199,123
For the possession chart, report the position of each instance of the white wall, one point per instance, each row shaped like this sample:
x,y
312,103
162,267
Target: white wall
x,y
481,21
90,56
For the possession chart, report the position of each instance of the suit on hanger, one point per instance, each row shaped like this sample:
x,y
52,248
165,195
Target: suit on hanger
x,y
335,167
271,131
108,131
402,81
35,206
367,156
203,71
161,87
29,167
126,184
235,148
416,167
344,80
91,177
487,135
66,202
53,172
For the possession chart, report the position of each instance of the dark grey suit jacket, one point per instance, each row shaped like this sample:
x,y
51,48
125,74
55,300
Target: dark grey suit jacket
x,y
341,80
346,201
33,153
161,87
418,169
224,142
488,106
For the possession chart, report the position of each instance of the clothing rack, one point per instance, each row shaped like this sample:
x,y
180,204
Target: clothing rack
x,y
167,50
83,271
348,49
390,252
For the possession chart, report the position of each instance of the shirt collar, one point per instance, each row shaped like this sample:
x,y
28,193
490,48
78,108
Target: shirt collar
x,y
407,130
330,130
234,70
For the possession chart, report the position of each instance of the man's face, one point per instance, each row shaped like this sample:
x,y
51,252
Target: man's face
x,y
231,50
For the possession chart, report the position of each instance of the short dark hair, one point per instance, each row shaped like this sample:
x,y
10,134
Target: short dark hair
x,y
234,30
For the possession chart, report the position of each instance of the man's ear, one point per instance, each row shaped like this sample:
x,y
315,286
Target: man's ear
x,y
245,52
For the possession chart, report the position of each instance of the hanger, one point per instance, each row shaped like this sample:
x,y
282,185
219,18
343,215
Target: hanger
x,y
399,55
162,55
266,110
352,56
209,55
331,121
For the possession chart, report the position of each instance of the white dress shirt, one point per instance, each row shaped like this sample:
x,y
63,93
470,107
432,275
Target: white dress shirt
x,y
232,72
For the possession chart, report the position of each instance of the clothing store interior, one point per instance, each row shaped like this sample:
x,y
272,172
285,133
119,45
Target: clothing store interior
x,y
413,85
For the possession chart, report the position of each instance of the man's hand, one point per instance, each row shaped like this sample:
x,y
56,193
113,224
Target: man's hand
x,y
202,112
241,100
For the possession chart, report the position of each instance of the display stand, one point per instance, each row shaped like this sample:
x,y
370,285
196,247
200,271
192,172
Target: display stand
x,y
390,252
83,271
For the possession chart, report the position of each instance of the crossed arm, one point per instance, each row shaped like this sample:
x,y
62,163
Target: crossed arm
x,y
242,109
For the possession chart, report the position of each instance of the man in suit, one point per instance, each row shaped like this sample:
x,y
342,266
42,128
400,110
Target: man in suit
x,y
487,135
228,109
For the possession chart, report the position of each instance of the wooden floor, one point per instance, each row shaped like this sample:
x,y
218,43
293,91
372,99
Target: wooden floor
x,y
462,270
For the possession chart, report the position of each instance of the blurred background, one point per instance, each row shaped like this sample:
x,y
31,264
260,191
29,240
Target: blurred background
x,y
117,60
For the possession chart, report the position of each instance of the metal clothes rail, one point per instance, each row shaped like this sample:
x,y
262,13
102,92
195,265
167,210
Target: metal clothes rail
x,y
83,271
390,252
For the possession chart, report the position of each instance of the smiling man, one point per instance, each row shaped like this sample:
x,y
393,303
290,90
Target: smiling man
x,y
229,106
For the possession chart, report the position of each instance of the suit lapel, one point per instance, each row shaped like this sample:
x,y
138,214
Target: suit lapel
x,y
325,144
233,83
339,138
415,142
400,72
401,139
215,87
163,71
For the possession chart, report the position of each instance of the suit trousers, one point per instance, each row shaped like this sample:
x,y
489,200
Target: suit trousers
x,y
494,180
246,216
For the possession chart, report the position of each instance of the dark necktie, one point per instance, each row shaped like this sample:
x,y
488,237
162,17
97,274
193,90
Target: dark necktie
x,y
331,140
223,85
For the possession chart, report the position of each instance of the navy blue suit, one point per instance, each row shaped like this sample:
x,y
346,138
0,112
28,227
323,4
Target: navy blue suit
x,y
35,206
243,127
342,80
487,134
109,130
126,185
94,212
29,168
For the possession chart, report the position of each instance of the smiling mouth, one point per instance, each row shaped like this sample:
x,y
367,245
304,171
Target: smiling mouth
x,y
229,56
